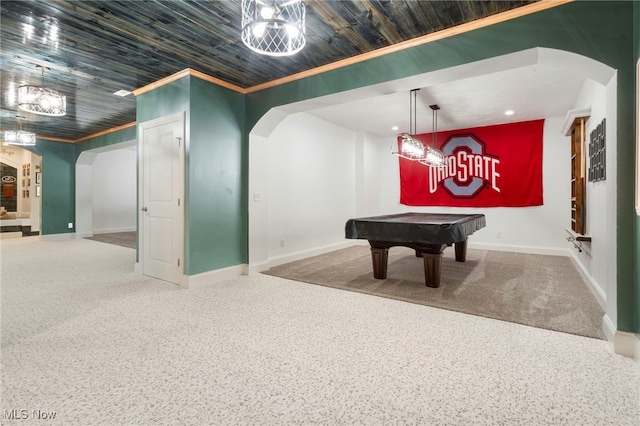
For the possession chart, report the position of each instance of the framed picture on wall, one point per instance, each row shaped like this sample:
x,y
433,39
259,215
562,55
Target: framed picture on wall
x,y
38,191
38,177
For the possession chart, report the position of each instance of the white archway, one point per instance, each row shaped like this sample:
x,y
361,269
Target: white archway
x,y
85,180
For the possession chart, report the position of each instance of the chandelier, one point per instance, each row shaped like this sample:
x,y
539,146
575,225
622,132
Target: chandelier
x,y
407,146
41,100
273,27
19,137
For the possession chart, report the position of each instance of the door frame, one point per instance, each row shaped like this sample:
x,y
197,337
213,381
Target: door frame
x,y
177,117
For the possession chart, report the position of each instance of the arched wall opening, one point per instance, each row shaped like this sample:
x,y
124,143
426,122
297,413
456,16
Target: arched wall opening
x,y
301,163
106,190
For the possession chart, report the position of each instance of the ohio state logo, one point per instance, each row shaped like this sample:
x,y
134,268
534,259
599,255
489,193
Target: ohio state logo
x,y
467,169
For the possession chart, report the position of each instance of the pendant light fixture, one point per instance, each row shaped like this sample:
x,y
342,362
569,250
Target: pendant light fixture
x,y
433,157
407,146
19,137
41,100
273,27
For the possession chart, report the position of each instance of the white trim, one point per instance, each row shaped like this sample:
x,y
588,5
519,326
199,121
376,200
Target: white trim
x,y
626,344
571,117
59,237
608,328
550,251
595,288
256,268
212,277
303,254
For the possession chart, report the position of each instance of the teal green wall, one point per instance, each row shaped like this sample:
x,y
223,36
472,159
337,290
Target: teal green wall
x,y
165,100
215,205
216,199
112,138
58,186
59,174
602,30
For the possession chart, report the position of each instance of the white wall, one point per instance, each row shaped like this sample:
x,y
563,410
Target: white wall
x,y
598,258
316,175
311,189
113,191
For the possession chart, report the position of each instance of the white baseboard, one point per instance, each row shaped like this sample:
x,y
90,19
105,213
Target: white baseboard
x,y
217,275
624,343
303,254
59,237
84,235
256,268
627,344
608,328
595,288
551,251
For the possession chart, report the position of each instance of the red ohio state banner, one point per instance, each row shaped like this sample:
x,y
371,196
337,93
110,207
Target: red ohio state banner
x,y
493,166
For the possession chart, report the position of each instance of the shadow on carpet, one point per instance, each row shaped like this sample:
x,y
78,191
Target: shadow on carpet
x,y
535,290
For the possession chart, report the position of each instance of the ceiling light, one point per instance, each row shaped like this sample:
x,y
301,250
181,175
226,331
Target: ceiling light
x,y
407,146
19,137
509,112
273,27
122,93
41,100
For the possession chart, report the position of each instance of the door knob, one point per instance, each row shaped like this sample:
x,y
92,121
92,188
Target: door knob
x,y
144,209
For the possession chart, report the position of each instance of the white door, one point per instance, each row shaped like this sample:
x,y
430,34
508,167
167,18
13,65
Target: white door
x,y
161,225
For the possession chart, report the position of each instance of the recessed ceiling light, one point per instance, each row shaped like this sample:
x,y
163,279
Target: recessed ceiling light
x,y
122,93
394,128
508,112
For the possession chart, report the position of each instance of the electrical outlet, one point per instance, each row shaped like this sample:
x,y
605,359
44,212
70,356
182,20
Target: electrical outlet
x,y
282,242
499,235
70,225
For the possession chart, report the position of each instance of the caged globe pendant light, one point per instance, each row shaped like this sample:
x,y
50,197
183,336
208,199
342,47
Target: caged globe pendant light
x,y
41,100
407,146
273,27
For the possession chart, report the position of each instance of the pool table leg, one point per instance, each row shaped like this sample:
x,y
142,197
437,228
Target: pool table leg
x,y
380,259
461,251
432,260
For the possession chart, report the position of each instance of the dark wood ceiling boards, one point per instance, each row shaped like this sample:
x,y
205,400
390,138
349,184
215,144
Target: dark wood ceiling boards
x,y
94,48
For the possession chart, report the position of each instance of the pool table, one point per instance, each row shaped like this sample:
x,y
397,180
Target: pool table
x,y
427,233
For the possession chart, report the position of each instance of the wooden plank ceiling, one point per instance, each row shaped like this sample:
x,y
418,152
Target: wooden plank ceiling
x,y
95,48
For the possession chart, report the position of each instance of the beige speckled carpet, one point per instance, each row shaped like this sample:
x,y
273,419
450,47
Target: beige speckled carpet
x,y
535,290
86,341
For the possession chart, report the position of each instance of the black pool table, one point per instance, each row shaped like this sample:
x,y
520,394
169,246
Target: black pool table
x,y
427,233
